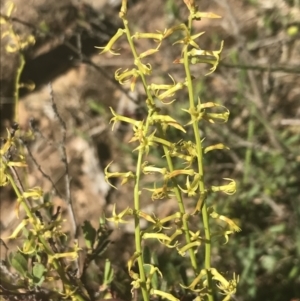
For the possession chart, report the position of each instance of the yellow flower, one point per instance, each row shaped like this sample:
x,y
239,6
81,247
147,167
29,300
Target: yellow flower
x,y
118,218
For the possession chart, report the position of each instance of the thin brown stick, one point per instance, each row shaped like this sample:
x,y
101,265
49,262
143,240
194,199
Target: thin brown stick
x,y
64,158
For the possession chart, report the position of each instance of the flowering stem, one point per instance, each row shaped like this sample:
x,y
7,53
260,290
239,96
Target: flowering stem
x,y
181,208
138,243
205,216
171,169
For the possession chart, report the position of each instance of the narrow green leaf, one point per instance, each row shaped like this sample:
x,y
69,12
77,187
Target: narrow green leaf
x,y
108,272
89,234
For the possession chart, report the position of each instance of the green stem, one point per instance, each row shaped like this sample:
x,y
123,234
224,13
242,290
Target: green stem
x,y
17,86
205,216
181,209
137,234
249,150
138,242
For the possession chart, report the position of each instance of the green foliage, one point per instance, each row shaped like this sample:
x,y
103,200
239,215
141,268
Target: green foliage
x,y
188,254
159,130
43,258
